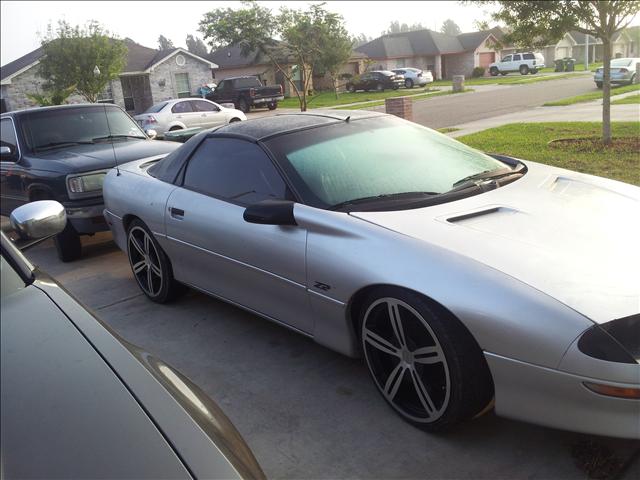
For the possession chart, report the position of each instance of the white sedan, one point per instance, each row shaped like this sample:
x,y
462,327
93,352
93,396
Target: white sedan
x,y
186,113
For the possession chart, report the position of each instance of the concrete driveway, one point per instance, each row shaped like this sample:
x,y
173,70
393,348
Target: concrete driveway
x,y
306,411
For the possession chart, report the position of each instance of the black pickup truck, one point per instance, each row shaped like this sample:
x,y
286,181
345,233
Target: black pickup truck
x,y
246,92
63,153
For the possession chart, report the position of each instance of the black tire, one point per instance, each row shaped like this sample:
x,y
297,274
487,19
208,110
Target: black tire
x,y
272,106
68,244
449,367
524,69
599,84
408,83
493,71
162,287
243,106
379,87
533,71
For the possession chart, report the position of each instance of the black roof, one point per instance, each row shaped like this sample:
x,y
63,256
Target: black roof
x,y
20,63
262,128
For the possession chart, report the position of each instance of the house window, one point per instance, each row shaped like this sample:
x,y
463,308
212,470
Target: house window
x,y
180,61
400,63
182,85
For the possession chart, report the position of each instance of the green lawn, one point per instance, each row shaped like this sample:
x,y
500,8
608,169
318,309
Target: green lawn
x,y
587,97
627,100
510,79
328,99
530,141
579,67
417,97
447,129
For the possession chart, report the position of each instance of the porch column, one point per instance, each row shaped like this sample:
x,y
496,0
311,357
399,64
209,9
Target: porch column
x,y
438,65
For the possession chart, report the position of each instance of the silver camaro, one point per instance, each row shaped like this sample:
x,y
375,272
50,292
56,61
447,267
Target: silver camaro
x,y
465,280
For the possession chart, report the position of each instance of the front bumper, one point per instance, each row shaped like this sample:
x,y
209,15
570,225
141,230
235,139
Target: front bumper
x,y
87,218
560,400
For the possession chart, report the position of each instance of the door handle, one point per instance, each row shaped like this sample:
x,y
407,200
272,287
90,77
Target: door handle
x,y
176,212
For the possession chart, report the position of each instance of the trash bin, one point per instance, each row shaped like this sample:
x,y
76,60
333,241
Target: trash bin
x,y
569,64
559,65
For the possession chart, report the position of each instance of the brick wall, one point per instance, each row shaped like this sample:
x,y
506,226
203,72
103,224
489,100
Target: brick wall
x,y
400,107
162,78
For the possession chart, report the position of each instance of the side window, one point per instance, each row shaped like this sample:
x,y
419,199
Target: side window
x,y
507,58
202,106
528,56
182,107
221,86
234,170
8,139
516,58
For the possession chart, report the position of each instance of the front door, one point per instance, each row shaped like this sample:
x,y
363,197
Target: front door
x,y
209,115
183,112
260,267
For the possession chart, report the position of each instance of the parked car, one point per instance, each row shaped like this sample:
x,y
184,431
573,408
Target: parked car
x,y
459,276
623,71
529,62
80,402
179,114
378,80
63,153
414,76
246,92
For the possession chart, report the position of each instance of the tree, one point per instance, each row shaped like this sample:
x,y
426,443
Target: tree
x,y
164,43
71,55
481,25
539,23
304,34
449,27
360,40
196,46
396,27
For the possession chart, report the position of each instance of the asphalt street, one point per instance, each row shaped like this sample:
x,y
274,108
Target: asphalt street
x,y
451,110
306,411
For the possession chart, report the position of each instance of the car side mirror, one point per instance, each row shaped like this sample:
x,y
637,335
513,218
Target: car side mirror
x,y
6,154
151,133
270,212
39,220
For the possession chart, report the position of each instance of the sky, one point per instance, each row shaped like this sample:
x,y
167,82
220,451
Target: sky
x,y
23,23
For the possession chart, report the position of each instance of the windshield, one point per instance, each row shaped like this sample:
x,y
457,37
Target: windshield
x,y
48,128
380,156
621,62
156,108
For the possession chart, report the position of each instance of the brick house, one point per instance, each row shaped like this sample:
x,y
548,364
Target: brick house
x,y
444,55
149,76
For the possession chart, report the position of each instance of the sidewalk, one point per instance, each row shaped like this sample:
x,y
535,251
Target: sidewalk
x,y
584,112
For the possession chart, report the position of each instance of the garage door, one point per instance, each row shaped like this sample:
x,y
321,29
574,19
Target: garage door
x,y
487,59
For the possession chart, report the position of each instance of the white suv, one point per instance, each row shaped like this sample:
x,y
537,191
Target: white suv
x,y
518,62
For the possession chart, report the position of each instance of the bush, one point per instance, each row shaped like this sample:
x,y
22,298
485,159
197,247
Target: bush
x,y
477,72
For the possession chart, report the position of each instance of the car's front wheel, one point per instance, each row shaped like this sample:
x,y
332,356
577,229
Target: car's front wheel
x,y
424,362
493,71
150,265
408,83
379,87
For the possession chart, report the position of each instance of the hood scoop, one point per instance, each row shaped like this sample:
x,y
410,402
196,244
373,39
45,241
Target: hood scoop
x,y
469,217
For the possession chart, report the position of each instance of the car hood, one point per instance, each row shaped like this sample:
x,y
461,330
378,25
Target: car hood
x,y
65,413
85,158
572,236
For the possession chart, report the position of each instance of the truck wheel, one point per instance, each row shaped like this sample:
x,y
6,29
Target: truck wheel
x,y
599,84
243,106
524,69
493,71
68,244
273,106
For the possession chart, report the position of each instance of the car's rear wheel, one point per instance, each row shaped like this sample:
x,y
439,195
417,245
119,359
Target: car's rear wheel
x,y
424,362
524,69
243,106
493,71
408,83
599,84
272,106
150,265
379,87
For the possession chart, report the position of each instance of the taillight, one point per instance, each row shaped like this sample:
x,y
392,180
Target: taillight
x,y
150,119
252,92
